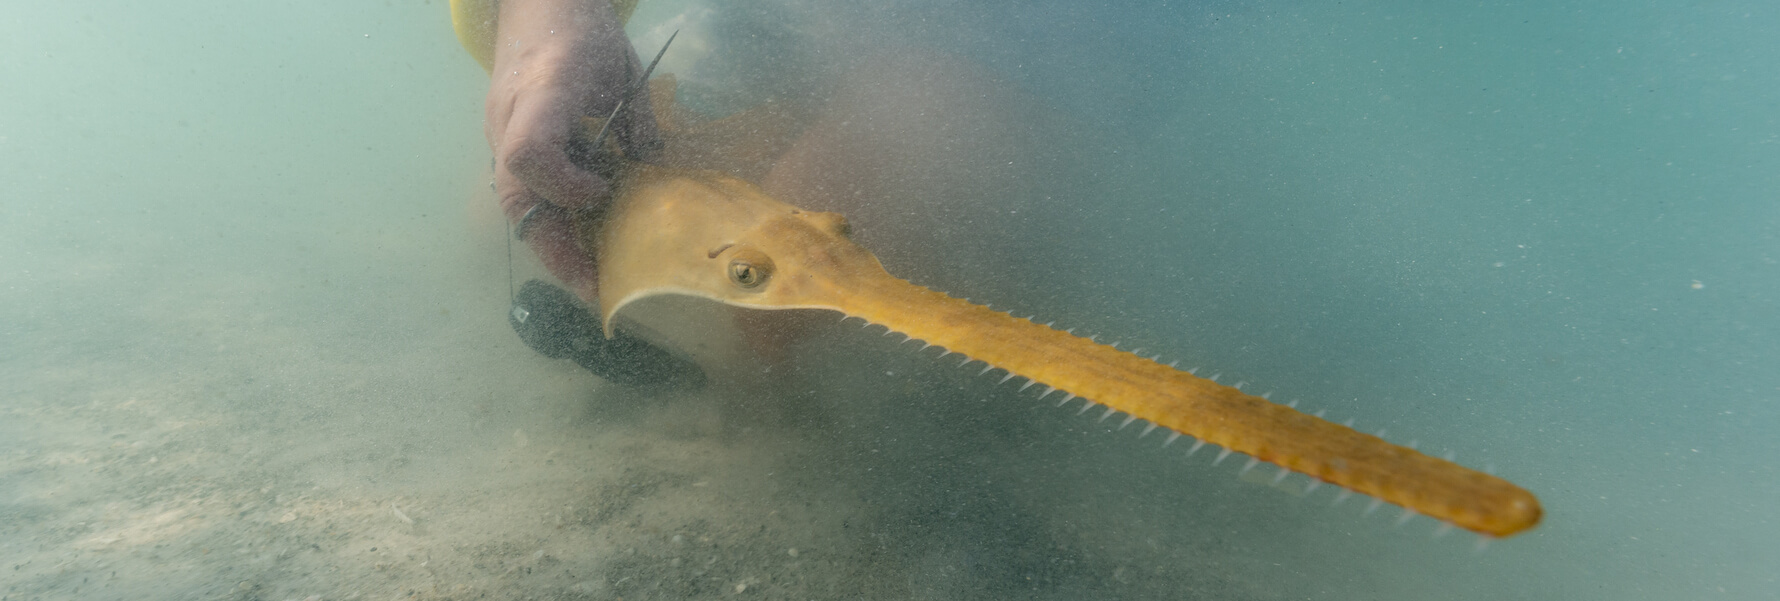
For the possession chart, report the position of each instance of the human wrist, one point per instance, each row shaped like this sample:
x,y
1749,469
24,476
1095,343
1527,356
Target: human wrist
x,y
522,22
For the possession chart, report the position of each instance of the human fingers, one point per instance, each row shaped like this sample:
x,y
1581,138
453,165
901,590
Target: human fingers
x,y
552,237
534,147
549,231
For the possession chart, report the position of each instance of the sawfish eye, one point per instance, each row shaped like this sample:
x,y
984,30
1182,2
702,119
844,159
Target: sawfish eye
x,y
750,269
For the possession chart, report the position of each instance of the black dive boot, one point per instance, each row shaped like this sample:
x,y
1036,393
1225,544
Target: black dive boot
x,y
553,322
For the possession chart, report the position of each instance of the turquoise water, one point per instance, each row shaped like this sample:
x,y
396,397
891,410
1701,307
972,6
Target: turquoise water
x,y
250,271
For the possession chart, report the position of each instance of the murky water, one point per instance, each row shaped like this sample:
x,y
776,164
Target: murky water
x,y
253,288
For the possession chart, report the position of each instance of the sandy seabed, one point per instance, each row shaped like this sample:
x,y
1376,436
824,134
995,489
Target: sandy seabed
x,y
246,437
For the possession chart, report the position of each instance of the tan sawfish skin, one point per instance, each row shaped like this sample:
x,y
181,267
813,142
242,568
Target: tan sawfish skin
x,y
701,233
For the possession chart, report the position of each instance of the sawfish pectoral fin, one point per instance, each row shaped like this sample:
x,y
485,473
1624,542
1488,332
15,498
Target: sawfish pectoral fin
x,y
1197,407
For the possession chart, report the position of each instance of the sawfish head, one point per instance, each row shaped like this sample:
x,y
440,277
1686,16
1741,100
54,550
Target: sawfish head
x,y
673,229
706,234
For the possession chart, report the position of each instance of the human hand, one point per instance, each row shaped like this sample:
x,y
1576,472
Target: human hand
x,y
557,61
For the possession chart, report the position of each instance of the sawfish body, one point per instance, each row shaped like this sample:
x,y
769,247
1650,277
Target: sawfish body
x,y
706,234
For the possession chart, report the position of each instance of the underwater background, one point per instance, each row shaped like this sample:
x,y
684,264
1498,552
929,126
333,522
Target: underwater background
x,y
253,293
